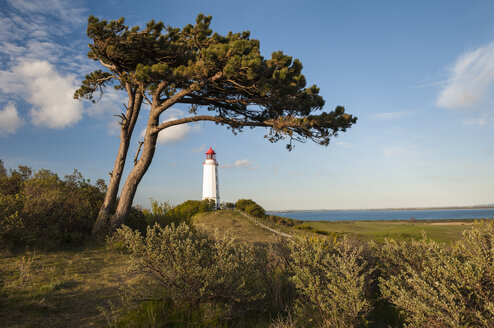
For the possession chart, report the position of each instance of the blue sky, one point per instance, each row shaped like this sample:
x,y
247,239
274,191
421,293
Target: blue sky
x,y
419,75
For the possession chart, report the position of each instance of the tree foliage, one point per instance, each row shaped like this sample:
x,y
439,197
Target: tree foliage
x,y
225,74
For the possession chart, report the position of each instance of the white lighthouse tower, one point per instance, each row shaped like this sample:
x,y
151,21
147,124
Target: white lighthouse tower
x,y
210,186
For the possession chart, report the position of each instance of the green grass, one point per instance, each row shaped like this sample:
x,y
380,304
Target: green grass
x,y
62,288
399,230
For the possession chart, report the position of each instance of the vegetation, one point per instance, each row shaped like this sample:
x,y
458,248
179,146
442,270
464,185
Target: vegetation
x,y
195,270
62,288
331,279
379,231
330,282
182,266
250,207
223,78
164,213
38,209
231,222
437,286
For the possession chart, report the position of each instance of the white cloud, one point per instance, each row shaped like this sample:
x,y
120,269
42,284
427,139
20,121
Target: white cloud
x,y
49,30
63,9
50,94
10,83
241,163
391,152
391,115
110,103
32,37
399,152
113,128
175,133
9,119
198,149
342,144
483,120
471,80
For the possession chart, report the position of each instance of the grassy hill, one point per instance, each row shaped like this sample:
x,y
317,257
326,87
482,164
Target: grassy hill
x,y
232,222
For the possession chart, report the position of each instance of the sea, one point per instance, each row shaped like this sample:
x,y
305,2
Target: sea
x,y
376,215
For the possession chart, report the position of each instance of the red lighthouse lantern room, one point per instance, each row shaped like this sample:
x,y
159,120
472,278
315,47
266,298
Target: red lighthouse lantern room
x,y
210,154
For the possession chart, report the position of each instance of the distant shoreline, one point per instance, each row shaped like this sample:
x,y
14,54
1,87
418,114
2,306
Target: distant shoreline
x,y
391,209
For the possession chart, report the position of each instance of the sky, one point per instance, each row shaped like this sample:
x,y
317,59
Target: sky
x,y
419,75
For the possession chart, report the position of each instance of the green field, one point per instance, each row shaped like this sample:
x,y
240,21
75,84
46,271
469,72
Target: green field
x,y
440,231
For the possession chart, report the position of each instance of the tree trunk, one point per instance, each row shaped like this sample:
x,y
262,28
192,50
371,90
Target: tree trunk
x,y
134,106
130,187
111,194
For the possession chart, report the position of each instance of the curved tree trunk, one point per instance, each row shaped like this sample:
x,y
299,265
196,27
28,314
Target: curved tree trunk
x,y
130,187
111,194
128,124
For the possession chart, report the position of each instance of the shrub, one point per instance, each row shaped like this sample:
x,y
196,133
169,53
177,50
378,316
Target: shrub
x,y
43,210
331,281
437,286
164,213
283,220
250,207
194,269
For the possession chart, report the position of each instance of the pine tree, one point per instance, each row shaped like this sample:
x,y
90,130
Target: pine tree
x,y
224,79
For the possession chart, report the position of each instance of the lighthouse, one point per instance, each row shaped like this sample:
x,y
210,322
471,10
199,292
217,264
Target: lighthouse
x,y
210,186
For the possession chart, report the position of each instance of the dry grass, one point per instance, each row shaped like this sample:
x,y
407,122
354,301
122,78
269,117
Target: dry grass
x,y
62,288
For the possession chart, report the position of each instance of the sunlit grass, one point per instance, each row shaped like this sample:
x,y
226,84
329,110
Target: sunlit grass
x,y
398,230
61,288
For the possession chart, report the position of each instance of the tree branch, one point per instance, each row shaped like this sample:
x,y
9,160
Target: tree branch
x,y
109,66
175,98
137,152
216,119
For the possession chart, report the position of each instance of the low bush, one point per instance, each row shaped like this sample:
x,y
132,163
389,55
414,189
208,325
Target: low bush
x,y
43,210
283,220
163,213
331,281
195,270
438,286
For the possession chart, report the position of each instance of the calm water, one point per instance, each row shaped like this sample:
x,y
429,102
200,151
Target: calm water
x,y
390,215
